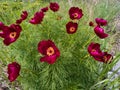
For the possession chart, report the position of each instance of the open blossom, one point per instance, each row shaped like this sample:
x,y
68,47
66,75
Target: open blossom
x,y
10,33
97,54
45,9
75,13
38,18
24,15
101,21
71,27
49,50
94,49
54,6
13,71
104,57
100,32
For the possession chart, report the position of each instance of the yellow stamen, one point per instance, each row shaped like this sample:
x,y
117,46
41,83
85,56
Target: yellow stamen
x,y
93,50
105,58
75,15
50,51
13,34
72,29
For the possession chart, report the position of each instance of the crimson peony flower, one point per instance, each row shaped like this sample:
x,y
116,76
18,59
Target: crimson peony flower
x,y
75,13
45,9
13,71
71,27
94,49
49,50
38,18
23,17
100,32
101,22
10,33
104,57
97,54
54,6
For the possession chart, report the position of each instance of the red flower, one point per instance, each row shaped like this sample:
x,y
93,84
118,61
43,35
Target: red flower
x,y
23,17
19,21
97,54
101,21
94,49
13,71
49,50
71,27
54,6
38,18
91,24
45,9
100,32
75,13
10,33
104,57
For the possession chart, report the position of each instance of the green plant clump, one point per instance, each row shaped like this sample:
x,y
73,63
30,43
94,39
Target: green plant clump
x,y
75,69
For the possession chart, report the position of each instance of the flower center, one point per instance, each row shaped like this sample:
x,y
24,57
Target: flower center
x,y
72,29
13,34
50,51
75,15
105,58
93,50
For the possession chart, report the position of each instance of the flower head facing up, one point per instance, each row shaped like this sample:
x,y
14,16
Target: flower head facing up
x,y
54,6
13,71
100,32
49,50
75,13
94,49
10,33
38,18
71,27
101,22
45,9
